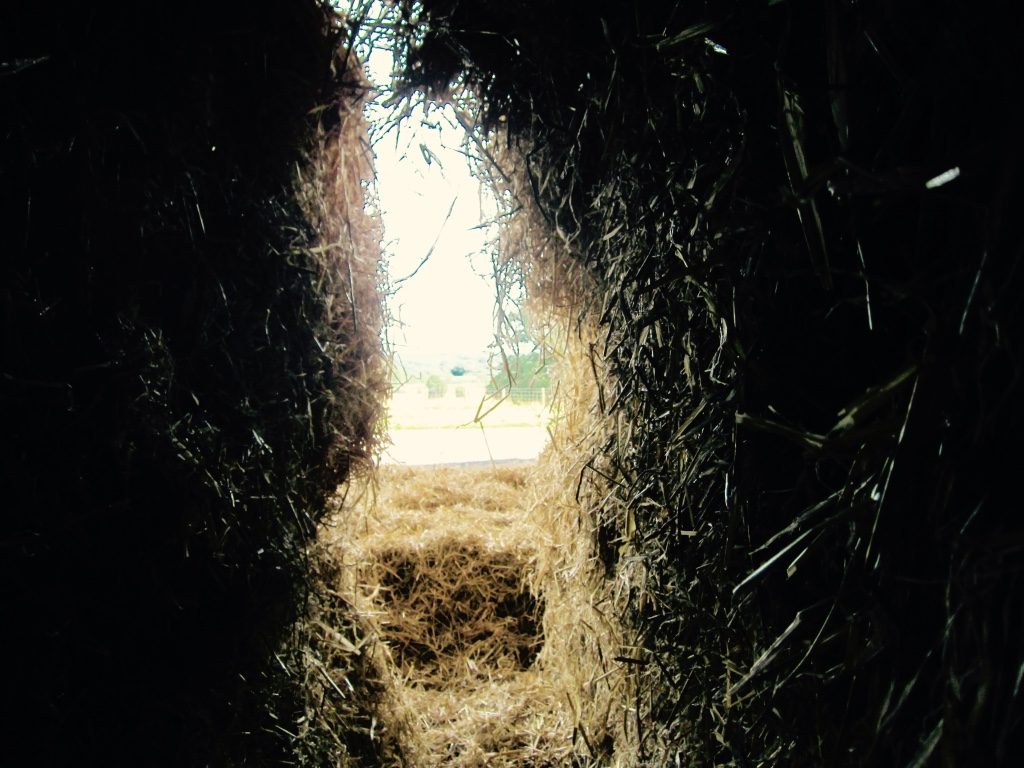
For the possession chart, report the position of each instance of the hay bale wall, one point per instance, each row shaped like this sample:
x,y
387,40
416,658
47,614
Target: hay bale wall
x,y
813,349
183,372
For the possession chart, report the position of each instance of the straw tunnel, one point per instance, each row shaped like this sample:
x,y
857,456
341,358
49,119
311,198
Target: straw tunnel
x,y
772,251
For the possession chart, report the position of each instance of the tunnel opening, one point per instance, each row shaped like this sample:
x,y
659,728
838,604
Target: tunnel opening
x,y
468,575
472,365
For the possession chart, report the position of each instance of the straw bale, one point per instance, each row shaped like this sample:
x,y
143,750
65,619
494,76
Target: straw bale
x,y
485,616
446,580
787,217
187,368
515,722
454,608
340,723
334,188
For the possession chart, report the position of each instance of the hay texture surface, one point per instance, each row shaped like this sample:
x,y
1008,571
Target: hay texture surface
x,y
187,367
450,573
793,222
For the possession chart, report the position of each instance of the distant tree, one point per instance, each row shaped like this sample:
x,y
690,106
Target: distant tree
x,y
436,386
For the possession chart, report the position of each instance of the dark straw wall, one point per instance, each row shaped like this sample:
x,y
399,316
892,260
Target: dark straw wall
x,y
168,385
801,218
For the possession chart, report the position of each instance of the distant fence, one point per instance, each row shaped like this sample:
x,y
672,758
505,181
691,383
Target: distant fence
x,y
524,395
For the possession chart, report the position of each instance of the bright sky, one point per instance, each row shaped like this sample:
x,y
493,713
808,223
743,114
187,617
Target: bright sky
x,y
447,308
431,204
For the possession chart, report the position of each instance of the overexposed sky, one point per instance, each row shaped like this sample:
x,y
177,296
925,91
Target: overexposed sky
x,y
447,308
